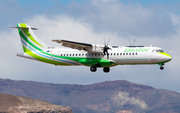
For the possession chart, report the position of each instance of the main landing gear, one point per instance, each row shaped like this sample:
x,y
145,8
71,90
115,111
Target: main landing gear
x,y
94,69
106,69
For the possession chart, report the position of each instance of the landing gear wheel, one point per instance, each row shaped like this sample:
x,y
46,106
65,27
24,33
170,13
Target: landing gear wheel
x,y
106,69
161,68
93,69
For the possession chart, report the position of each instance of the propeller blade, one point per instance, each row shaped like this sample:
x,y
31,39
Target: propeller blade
x,y
104,41
108,41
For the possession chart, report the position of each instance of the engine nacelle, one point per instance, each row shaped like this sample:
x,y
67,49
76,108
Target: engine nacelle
x,y
96,48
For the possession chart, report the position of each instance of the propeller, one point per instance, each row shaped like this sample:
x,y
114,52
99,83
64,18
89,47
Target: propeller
x,y
105,48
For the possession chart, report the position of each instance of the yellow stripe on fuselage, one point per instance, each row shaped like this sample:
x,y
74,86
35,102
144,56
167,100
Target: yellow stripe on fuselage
x,y
162,53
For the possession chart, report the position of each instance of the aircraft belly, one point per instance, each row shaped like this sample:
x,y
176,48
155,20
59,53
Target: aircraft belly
x,y
96,61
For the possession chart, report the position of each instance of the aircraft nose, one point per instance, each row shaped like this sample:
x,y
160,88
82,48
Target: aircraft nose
x,y
167,57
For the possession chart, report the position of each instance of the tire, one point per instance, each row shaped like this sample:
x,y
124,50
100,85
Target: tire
x,y
106,69
161,68
93,69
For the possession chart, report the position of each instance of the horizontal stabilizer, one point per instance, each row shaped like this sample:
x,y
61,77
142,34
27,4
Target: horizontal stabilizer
x,y
24,28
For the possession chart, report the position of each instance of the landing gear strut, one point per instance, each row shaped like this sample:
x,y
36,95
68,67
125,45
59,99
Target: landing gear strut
x,y
106,69
93,69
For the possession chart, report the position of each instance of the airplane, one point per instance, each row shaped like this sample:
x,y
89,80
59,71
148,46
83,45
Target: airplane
x,y
90,55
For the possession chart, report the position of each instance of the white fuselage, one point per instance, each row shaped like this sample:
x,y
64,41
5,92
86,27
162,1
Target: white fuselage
x,y
121,55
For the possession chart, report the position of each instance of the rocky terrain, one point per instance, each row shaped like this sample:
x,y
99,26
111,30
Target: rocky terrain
x,y
16,104
108,97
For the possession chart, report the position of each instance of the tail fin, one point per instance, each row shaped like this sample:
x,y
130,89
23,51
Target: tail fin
x,y
29,41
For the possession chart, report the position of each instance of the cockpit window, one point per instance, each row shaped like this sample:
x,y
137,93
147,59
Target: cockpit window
x,y
157,50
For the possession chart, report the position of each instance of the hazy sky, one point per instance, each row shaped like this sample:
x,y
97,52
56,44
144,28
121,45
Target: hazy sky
x,y
150,22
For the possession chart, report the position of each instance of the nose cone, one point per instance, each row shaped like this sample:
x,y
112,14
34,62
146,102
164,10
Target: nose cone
x,y
167,57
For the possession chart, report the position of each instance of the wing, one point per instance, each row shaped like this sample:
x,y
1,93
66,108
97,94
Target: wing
x,y
75,45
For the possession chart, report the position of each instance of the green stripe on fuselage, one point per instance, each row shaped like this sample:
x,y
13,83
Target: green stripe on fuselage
x,y
46,60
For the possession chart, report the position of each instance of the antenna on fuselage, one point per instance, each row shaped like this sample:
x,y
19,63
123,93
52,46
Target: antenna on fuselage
x,y
129,42
134,42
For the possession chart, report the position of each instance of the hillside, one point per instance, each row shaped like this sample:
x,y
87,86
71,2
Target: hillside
x,y
108,97
16,104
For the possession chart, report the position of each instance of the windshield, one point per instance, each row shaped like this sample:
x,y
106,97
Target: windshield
x,y
161,50
157,50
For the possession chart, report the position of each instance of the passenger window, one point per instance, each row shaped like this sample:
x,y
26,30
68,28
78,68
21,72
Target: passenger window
x,y
95,54
120,53
69,54
82,54
123,53
64,55
61,54
136,53
114,54
79,54
132,53
111,54
117,53
129,53
92,54
126,53
76,54
73,54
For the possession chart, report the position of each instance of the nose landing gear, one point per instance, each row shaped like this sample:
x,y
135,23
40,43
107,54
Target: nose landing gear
x,y
161,66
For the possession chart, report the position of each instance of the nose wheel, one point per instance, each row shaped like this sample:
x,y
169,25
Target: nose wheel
x,y
161,68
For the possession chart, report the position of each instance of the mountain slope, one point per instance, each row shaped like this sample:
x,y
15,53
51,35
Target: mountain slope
x,y
16,104
107,97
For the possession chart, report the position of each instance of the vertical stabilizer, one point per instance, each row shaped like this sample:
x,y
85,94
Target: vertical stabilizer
x,y
29,41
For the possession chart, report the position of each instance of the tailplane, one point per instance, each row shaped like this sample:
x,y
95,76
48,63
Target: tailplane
x,y
29,41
